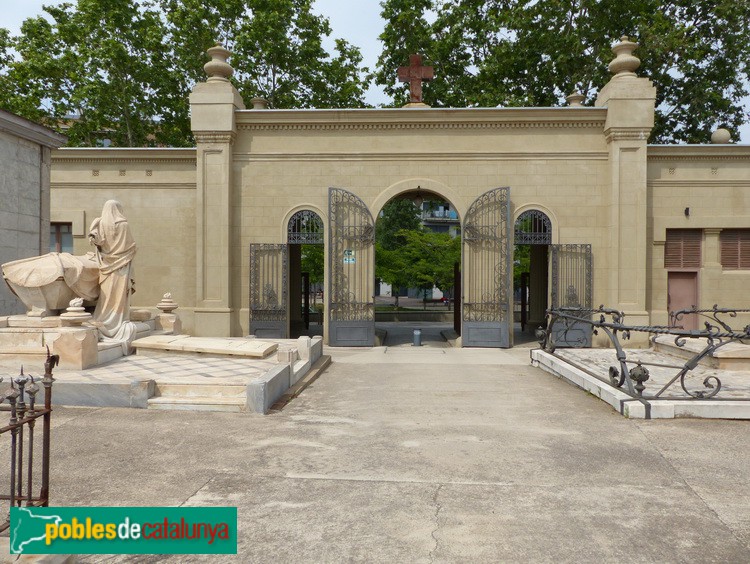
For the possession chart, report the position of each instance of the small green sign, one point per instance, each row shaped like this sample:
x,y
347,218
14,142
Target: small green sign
x,y
123,530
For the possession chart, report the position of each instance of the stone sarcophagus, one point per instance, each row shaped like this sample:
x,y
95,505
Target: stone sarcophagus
x,y
46,284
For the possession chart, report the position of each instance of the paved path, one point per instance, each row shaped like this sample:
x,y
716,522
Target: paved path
x,y
433,454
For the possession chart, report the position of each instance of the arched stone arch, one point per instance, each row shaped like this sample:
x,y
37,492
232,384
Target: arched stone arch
x,y
426,184
302,207
554,224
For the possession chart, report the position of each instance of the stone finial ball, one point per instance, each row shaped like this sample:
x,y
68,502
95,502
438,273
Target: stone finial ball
x,y
721,136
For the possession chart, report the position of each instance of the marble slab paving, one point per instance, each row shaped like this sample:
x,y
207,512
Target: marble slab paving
x,y
180,369
734,384
253,348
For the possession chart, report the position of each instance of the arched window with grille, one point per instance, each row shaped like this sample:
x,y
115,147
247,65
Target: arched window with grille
x,y
533,227
305,228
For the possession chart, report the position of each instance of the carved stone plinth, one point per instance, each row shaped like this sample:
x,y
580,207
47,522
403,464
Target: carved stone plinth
x,y
77,346
169,323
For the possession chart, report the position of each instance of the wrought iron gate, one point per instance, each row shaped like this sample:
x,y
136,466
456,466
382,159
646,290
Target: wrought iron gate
x,y
487,272
268,290
351,282
572,290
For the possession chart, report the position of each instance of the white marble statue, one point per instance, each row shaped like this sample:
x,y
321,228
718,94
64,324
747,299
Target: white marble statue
x,y
115,249
46,284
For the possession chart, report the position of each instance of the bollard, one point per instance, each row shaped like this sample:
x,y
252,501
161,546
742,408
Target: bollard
x,y
417,338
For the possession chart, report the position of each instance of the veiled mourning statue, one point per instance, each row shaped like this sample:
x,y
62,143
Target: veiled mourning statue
x,y
48,283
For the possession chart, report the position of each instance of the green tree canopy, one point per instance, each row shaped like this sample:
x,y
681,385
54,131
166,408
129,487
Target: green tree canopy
x,y
430,258
407,255
397,215
535,52
124,68
313,262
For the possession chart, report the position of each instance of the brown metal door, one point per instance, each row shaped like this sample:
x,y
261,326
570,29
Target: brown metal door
x,y
682,288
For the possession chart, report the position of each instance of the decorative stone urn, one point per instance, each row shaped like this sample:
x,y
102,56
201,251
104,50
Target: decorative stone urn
x,y
625,63
575,100
218,68
167,304
75,315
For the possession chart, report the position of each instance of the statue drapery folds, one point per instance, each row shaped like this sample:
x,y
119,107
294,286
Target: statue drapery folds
x,y
115,249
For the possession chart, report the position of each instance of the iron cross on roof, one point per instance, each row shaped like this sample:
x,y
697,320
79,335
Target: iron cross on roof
x,y
415,74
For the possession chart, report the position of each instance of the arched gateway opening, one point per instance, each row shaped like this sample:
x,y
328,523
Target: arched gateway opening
x,y
286,281
281,293
486,274
305,237
417,257
532,234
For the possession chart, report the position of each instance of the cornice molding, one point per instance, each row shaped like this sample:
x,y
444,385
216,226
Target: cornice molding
x,y
698,152
420,118
214,138
715,158
120,160
422,156
29,130
626,134
698,183
92,155
435,125
120,186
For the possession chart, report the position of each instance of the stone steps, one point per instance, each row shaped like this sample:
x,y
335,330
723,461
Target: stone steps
x,y
199,397
221,390
198,403
732,357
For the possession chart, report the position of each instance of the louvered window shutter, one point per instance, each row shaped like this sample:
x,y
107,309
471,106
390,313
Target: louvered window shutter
x,y
735,249
683,248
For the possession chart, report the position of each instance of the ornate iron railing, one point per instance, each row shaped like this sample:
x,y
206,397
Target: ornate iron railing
x,y
21,427
487,258
717,333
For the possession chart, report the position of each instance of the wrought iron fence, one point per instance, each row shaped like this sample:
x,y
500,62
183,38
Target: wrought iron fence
x,y
631,375
21,428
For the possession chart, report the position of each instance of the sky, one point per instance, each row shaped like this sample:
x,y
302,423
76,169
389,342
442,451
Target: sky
x,y
360,26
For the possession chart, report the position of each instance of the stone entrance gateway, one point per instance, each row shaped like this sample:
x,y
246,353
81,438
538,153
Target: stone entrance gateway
x,y
486,283
589,169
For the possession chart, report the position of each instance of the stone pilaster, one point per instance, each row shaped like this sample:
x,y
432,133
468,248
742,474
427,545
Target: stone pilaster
x,y
212,106
45,164
630,103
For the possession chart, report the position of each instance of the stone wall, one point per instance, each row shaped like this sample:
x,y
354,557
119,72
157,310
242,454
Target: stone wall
x,y
24,195
554,160
713,181
157,190
194,212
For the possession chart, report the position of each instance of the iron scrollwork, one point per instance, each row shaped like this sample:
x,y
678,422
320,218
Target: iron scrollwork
x,y
533,227
268,282
572,276
487,258
716,332
305,228
352,230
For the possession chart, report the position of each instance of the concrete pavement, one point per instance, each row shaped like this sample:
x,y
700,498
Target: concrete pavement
x,y
426,455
